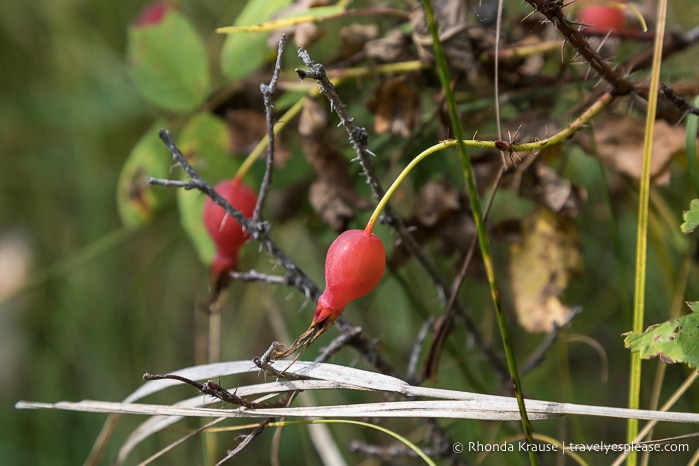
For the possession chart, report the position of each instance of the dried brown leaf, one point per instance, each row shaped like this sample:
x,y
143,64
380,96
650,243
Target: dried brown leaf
x,y
394,47
333,195
354,37
438,213
434,202
542,184
541,267
313,121
329,205
619,143
453,33
246,128
396,106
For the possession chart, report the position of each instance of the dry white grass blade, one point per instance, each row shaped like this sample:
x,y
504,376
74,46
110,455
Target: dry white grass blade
x,y
448,403
205,371
455,409
157,423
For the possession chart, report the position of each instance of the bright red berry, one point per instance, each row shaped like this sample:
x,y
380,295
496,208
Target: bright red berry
x,y
227,234
354,265
153,13
601,19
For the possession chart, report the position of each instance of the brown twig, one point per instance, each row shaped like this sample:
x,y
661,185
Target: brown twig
x,y
552,10
211,388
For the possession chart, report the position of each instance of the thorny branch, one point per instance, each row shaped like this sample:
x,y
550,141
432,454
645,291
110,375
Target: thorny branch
x,y
359,138
296,277
299,278
552,10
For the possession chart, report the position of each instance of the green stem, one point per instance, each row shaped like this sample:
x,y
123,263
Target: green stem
x,y
393,434
642,231
399,179
557,138
483,241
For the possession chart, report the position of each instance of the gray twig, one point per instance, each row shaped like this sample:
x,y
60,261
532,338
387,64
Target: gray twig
x,y
246,440
539,354
255,276
267,95
297,277
417,347
337,343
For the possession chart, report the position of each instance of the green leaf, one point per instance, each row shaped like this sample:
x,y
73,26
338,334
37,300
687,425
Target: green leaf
x,y
138,201
243,53
676,340
691,217
167,62
204,141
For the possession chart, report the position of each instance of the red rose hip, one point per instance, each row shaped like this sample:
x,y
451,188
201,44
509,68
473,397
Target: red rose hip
x,y
354,265
153,13
602,19
227,234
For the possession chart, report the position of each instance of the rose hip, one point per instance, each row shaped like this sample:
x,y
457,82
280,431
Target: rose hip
x,y
153,13
227,234
602,19
354,265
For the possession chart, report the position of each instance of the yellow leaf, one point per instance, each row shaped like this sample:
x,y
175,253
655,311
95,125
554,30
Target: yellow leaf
x,y
540,268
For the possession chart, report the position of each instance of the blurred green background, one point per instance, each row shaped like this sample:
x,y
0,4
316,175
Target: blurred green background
x,y
98,305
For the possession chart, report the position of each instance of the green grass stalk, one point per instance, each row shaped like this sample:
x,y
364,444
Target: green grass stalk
x,y
642,230
477,210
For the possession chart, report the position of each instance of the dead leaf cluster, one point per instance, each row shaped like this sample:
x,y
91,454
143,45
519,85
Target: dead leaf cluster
x,y
332,195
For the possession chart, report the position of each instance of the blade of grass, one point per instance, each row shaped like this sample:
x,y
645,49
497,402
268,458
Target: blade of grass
x,y
642,230
393,434
477,210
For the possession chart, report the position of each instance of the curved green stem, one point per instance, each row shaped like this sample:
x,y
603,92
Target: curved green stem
x,y
393,434
603,101
399,179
